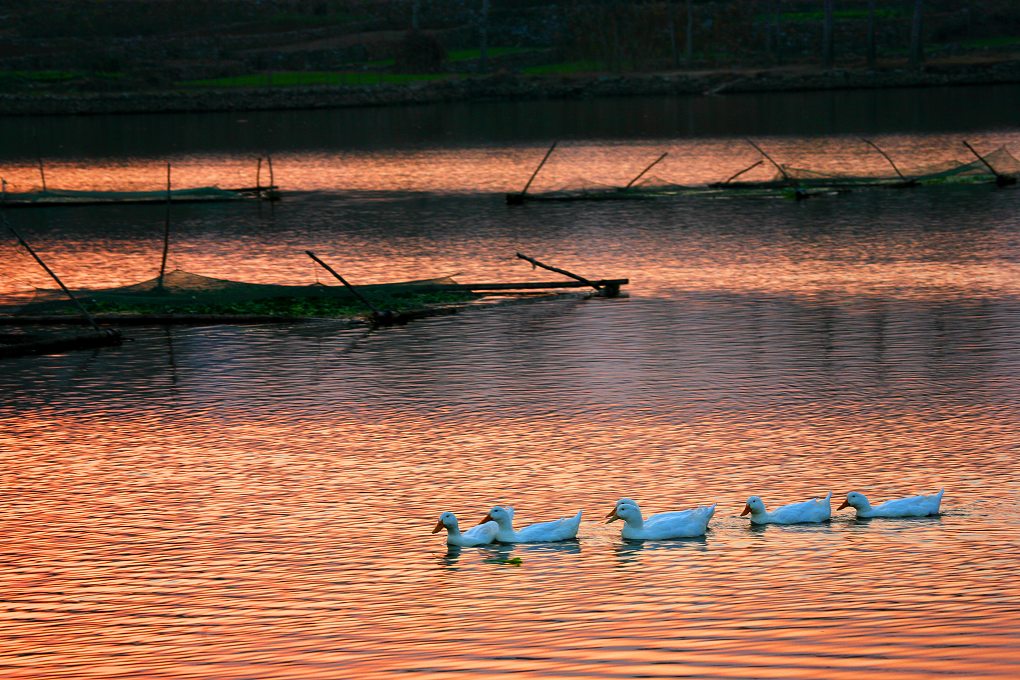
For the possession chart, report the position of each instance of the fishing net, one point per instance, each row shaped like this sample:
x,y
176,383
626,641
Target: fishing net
x,y
765,175
950,171
187,292
580,189
71,196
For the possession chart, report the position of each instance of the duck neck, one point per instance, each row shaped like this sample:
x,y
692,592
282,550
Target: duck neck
x,y
635,522
506,528
453,529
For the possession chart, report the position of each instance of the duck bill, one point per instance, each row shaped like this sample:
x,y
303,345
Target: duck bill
x,y
612,517
747,510
439,527
846,504
487,518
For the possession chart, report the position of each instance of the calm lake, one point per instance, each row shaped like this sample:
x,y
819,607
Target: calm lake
x,y
256,502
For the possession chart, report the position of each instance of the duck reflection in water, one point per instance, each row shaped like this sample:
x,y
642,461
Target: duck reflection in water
x,y
818,528
507,553
628,550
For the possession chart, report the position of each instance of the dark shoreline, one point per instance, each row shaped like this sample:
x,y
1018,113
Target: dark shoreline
x,y
508,87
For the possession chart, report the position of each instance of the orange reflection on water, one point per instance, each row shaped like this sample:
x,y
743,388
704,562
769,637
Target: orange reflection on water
x,y
447,169
257,502
299,547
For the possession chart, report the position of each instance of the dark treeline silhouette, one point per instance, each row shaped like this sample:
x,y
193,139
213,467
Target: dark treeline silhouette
x,y
159,42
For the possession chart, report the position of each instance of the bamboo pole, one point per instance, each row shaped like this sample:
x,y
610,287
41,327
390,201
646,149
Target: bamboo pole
x,y
642,173
258,177
530,285
1001,180
886,156
272,182
81,307
519,198
42,174
747,169
771,160
166,232
536,263
377,314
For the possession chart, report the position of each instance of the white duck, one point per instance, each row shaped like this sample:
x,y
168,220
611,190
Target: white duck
x,y
651,518
912,506
479,535
663,525
815,510
562,529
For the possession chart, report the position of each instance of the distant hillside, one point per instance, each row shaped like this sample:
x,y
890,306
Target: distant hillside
x,y
73,45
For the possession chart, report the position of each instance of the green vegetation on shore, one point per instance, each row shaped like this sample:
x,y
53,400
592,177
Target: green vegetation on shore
x,y
372,74
310,78
69,47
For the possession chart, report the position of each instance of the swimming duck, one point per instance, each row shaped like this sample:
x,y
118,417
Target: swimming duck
x,y
912,506
815,510
479,535
650,518
663,525
562,529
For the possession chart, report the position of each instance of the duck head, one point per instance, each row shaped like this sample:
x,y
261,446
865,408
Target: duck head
x,y
628,512
447,521
855,500
622,501
754,506
500,514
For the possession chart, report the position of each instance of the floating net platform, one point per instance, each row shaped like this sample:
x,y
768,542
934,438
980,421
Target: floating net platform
x,y
69,197
766,179
186,292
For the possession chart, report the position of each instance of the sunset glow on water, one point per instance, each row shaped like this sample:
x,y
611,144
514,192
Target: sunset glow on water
x,y
237,502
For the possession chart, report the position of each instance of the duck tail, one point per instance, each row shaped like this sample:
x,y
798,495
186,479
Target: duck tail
x,y
829,497
711,510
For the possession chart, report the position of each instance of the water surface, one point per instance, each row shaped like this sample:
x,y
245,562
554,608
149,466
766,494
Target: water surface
x,y
238,502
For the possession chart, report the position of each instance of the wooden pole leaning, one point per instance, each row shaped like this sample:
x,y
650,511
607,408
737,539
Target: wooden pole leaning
x,y
798,193
166,233
88,317
1000,179
518,199
642,173
608,290
771,160
909,181
752,166
379,316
